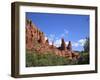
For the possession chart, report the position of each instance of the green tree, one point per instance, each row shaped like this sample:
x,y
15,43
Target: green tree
x,y
86,45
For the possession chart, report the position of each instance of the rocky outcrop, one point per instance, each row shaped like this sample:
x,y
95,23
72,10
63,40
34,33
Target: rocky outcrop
x,y
63,44
29,34
69,47
35,40
33,35
47,42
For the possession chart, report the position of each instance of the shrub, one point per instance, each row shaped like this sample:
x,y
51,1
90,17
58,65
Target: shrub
x,y
50,59
84,59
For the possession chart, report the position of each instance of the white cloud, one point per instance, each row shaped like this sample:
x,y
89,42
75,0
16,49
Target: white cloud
x,y
56,39
75,44
79,43
53,37
57,43
66,43
46,37
50,42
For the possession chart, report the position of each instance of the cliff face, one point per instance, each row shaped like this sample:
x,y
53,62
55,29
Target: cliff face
x,y
35,40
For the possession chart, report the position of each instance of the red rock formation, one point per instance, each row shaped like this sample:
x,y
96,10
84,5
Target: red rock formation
x,y
52,46
41,38
69,47
35,40
29,35
63,44
47,42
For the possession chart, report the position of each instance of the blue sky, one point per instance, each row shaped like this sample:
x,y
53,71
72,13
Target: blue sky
x,y
74,28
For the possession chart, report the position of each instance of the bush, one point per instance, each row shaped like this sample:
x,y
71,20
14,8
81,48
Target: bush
x,y
84,59
47,59
50,59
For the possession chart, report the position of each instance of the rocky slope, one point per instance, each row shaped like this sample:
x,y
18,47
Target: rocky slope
x,y
35,41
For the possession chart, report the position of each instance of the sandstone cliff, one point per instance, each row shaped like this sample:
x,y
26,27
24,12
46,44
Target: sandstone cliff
x,y
35,40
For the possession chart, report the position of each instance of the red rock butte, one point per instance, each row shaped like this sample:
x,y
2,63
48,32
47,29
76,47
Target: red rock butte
x,y
35,41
